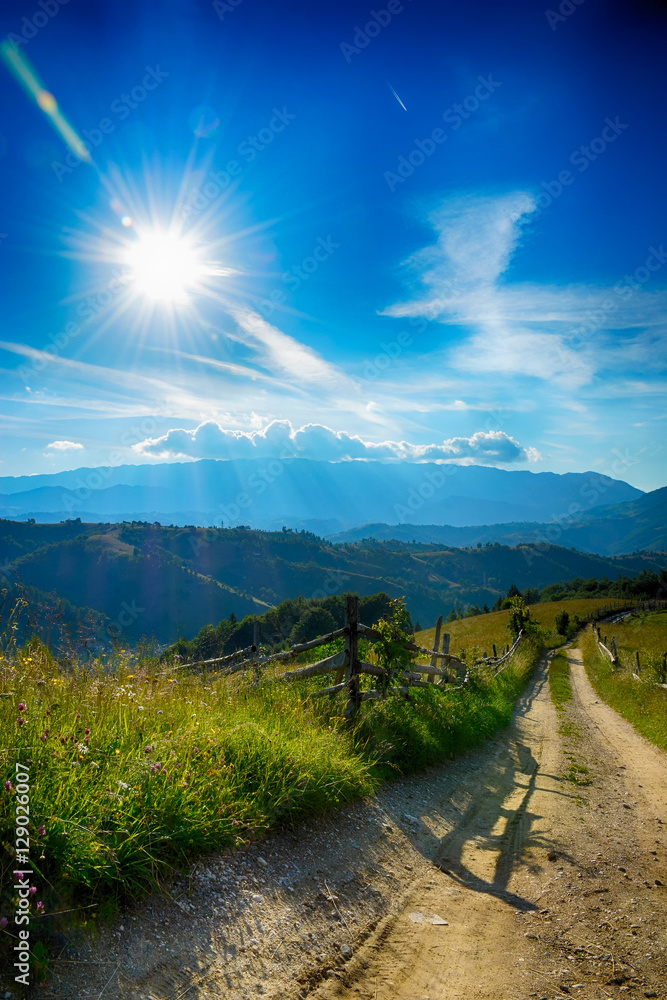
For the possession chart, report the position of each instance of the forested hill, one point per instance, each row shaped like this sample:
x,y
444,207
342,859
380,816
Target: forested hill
x,y
152,580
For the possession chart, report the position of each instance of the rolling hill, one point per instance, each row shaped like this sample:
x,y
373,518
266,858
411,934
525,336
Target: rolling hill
x,y
150,580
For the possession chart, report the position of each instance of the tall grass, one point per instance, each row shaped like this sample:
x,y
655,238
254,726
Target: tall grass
x,y
135,770
644,705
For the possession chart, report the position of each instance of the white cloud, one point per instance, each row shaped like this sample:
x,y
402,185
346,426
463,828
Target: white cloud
x,y
560,334
280,439
65,446
283,353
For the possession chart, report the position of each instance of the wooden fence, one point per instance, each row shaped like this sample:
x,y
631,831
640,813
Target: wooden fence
x,y
608,646
348,669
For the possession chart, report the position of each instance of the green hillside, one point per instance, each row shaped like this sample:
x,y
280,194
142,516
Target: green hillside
x,y
158,581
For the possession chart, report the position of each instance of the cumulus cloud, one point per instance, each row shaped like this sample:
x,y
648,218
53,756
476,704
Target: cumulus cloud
x,y
65,446
280,439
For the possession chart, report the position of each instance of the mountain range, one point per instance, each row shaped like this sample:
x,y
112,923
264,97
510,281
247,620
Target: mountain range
x,y
324,497
636,525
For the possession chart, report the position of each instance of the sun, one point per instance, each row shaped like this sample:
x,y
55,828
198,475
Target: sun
x,y
164,266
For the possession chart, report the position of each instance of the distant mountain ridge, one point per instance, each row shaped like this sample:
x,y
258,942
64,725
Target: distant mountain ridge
x,y
298,492
616,529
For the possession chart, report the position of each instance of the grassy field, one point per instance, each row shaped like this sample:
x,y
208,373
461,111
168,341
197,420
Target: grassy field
x,y
482,631
135,770
645,633
644,705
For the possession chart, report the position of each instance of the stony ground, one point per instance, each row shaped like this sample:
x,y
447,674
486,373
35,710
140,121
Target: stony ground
x,y
534,867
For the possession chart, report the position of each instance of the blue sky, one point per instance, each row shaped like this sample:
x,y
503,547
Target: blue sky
x,y
432,232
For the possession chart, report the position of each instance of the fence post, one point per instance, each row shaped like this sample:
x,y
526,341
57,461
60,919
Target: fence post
x,y
436,647
255,652
637,659
495,655
664,669
352,647
614,651
445,642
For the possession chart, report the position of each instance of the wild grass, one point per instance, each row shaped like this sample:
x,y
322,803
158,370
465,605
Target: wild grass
x,y
483,631
559,680
135,770
644,705
645,633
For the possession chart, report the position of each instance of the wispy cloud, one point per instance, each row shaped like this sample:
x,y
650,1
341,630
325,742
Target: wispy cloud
x,y
559,334
280,439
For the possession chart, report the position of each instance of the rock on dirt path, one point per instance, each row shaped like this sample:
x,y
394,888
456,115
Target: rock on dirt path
x,y
530,868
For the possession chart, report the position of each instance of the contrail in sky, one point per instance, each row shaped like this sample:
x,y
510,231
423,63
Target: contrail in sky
x,y
396,96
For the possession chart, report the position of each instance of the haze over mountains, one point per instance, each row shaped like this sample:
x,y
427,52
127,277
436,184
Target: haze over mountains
x,y
325,497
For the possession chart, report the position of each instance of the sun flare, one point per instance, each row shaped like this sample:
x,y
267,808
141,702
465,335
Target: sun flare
x,y
165,267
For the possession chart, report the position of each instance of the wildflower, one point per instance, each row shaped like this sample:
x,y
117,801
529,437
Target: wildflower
x,y
3,922
82,748
32,890
40,907
43,738
94,763
78,715
48,711
148,749
87,732
8,786
185,784
42,830
123,785
160,712
21,706
235,822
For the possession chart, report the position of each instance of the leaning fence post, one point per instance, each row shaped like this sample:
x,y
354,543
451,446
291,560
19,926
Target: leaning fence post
x,y
637,659
352,648
255,651
436,647
446,638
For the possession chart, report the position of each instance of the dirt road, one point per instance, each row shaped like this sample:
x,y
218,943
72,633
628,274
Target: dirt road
x,y
530,868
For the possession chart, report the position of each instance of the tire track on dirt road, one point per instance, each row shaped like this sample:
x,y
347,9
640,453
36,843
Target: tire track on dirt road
x,y
516,927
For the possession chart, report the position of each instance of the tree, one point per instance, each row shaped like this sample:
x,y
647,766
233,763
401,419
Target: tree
x,y
519,616
313,622
562,622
